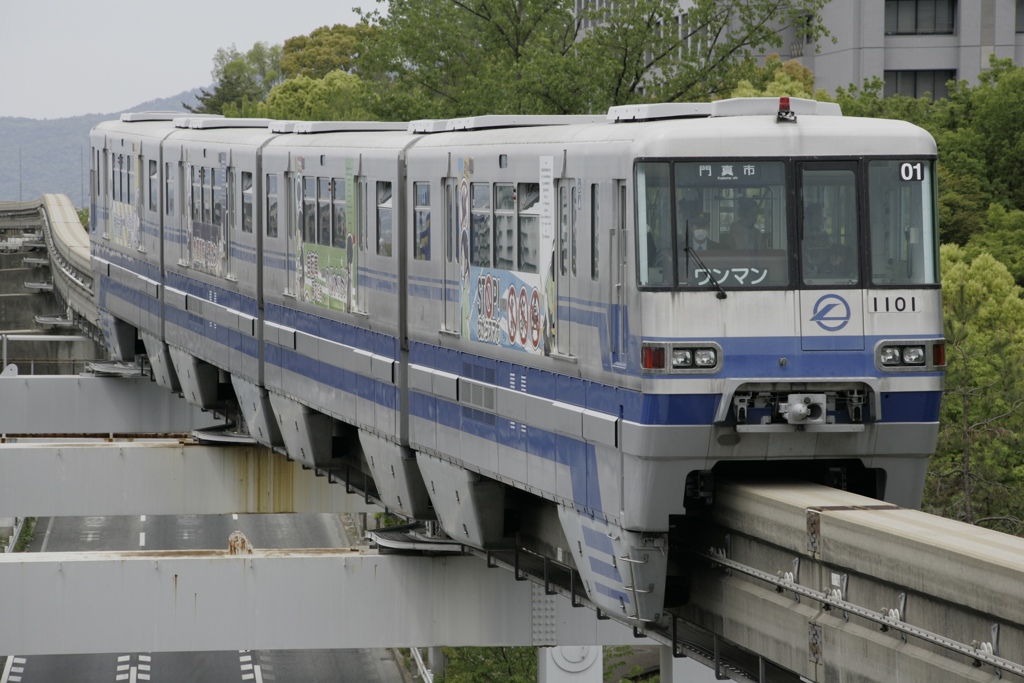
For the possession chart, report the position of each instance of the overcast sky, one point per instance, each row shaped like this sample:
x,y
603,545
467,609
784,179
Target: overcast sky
x,y
63,58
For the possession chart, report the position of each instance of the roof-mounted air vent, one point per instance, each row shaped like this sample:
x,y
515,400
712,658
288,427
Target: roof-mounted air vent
x,y
309,127
210,123
664,110
518,121
137,116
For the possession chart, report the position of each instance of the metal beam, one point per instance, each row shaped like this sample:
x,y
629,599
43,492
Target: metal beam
x,y
52,603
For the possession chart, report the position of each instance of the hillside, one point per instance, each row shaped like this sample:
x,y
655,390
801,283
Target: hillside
x,y
54,153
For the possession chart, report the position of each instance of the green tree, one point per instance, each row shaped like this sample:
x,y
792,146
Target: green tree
x,y
1003,238
338,96
464,57
776,78
240,78
976,473
324,50
506,664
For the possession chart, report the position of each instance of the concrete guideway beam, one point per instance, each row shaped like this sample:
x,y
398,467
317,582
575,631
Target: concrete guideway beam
x,y
157,477
277,599
838,587
89,404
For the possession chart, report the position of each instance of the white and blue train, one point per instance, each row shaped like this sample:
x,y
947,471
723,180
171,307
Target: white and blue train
x,y
553,332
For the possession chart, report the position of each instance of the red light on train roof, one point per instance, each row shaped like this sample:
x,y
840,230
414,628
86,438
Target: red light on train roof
x,y
784,103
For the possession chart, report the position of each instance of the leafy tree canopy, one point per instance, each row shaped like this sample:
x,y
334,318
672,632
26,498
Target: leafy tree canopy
x,y
466,57
240,77
338,96
775,79
324,50
977,473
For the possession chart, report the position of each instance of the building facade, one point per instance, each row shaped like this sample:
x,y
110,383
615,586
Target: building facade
x,y
916,46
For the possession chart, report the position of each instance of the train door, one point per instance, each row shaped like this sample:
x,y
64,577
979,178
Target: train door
x,y
565,262
451,290
619,231
832,311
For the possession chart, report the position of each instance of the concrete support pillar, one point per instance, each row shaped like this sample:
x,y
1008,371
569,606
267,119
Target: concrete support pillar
x,y
683,670
436,662
581,664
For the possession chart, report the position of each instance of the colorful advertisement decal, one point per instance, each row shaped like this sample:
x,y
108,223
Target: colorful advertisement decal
x,y
514,310
207,248
326,275
124,225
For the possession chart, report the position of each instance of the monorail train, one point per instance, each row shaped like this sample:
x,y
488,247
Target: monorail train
x,y
553,332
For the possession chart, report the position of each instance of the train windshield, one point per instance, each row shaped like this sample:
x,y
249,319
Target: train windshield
x,y
904,241
727,223
718,221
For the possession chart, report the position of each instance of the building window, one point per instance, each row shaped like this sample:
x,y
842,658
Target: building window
x,y
919,17
1020,16
919,83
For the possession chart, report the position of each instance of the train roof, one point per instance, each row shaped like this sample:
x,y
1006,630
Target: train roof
x,y
762,126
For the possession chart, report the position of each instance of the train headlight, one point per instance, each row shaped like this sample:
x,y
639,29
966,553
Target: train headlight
x,y
705,358
890,355
913,355
682,358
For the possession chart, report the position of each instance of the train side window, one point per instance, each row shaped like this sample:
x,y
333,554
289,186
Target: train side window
x,y
421,236
338,225
115,176
169,189
595,230
197,192
529,226
504,226
217,201
246,201
130,182
384,218
573,199
563,230
480,225
271,205
323,209
309,210
154,186
449,220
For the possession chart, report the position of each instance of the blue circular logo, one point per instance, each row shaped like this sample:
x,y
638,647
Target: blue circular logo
x,y
831,312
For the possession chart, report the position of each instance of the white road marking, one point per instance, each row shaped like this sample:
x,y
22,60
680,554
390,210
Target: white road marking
x,y
46,537
142,518
234,516
124,658
142,538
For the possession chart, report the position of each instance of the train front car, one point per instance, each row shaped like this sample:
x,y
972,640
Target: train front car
x,y
787,320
